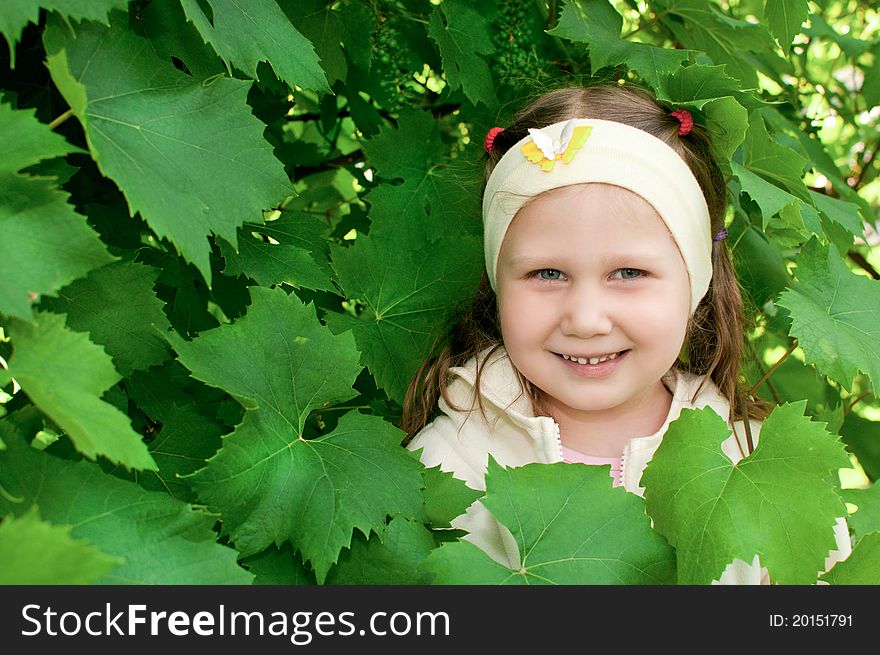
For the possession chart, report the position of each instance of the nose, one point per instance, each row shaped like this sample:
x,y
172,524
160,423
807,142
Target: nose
x,y
586,313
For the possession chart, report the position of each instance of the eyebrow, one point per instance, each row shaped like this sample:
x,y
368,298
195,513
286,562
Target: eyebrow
x,y
607,260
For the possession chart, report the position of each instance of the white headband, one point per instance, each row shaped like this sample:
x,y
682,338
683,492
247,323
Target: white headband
x,y
589,150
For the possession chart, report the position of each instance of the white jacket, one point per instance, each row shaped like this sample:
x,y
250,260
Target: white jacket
x,y
460,442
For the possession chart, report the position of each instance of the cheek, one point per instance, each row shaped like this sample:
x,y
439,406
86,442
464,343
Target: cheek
x,y
663,316
520,314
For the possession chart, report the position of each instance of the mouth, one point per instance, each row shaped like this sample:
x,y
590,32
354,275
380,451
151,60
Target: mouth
x,y
593,366
592,359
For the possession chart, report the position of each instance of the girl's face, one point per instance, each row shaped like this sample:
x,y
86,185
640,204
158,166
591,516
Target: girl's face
x,y
591,271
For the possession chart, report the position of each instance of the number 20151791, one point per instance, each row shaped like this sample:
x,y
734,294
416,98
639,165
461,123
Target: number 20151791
x,y
811,621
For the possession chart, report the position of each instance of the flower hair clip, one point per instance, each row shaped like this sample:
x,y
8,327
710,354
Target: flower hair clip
x,y
544,150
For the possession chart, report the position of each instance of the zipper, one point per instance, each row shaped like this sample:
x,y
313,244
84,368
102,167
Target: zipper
x,y
558,437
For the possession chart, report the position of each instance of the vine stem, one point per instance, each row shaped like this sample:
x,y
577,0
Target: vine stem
x,y
852,404
773,368
63,117
336,409
646,25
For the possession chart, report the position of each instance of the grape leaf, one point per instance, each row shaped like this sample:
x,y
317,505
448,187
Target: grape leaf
x,y
841,212
861,567
571,527
116,305
161,540
597,24
45,243
835,316
759,266
267,482
862,437
279,566
410,295
716,95
297,255
244,34
445,496
704,26
164,24
183,442
784,18
17,14
867,517
185,181
35,552
767,158
769,197
64,374
333,31
391,558
777,503
462,37
419,261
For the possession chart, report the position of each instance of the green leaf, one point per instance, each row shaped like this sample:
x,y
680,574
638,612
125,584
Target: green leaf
x,y
185,439
161,540
26,141
867,517
777,502
139,125
702,25
64,374
784,18
852,47
841,212
462,36
759,266
861,567
333,31
390,559
45,243
835,316
598,25
445,496
35,552
772,161
571,527
421,258
862,437
244,34
269,483
410,295
116,305
164,24
293,249
769,197
708,90
17,14
279,566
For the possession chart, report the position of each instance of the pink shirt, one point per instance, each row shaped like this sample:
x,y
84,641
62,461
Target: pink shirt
x,y
574,457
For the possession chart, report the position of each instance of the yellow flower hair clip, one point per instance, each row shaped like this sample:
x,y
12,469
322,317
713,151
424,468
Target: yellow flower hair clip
x,y
544,151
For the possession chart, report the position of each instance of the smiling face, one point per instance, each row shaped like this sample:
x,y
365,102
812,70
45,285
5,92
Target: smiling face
x,y
591,271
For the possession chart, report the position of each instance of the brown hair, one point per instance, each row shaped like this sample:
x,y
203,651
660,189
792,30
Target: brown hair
x,y
715,335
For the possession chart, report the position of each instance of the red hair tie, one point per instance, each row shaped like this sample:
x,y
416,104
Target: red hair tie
x,y
687,123
490,138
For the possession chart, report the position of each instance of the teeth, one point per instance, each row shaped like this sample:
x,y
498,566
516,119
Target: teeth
x,y
591,360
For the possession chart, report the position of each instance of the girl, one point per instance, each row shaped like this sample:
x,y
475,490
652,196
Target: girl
x,y
608,304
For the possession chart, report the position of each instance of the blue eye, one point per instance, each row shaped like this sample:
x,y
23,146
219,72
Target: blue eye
x,y
629,273
549,274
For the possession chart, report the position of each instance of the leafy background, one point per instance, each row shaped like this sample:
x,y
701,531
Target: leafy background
x,y
230,232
